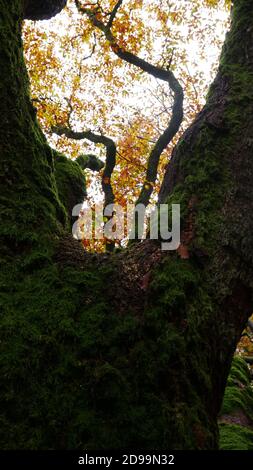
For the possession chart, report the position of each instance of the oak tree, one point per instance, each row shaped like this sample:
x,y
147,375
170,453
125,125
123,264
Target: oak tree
x,y
131,348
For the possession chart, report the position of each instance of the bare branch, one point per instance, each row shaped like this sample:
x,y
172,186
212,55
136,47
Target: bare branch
x,y
114,13
109,165
157,72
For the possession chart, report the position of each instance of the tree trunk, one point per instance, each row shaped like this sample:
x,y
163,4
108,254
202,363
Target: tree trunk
x,y
132,349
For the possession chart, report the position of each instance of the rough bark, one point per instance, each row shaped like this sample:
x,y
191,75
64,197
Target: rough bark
x,y
132,349
42,9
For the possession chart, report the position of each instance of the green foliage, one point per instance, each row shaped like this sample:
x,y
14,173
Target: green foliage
x,y
235,437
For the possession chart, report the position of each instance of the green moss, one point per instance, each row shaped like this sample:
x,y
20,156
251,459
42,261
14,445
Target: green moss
x,y
188,293
239,391
78,371
79,375
70,180
172,284
239,371
29,204
203,157
235,437
238,398
90,161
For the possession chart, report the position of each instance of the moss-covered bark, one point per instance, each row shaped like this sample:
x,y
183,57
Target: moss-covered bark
x,y
42,9
236,419
30,205
91,355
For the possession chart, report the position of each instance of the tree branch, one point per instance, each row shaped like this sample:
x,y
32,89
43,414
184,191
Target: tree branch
x,y
157,72
114,13
109,165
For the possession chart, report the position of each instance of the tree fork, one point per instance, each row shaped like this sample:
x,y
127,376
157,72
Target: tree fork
x,y
135,351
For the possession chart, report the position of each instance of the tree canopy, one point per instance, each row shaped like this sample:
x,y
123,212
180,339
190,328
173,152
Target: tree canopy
x,y
139,81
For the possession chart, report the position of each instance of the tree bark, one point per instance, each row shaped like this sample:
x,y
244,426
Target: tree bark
x,y
42,9
132,349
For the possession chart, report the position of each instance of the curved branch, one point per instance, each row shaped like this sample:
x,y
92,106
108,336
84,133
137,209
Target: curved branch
x,y
109,165
157,72
90,161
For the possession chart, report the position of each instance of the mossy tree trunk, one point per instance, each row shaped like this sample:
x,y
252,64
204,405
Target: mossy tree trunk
x,y
132,349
